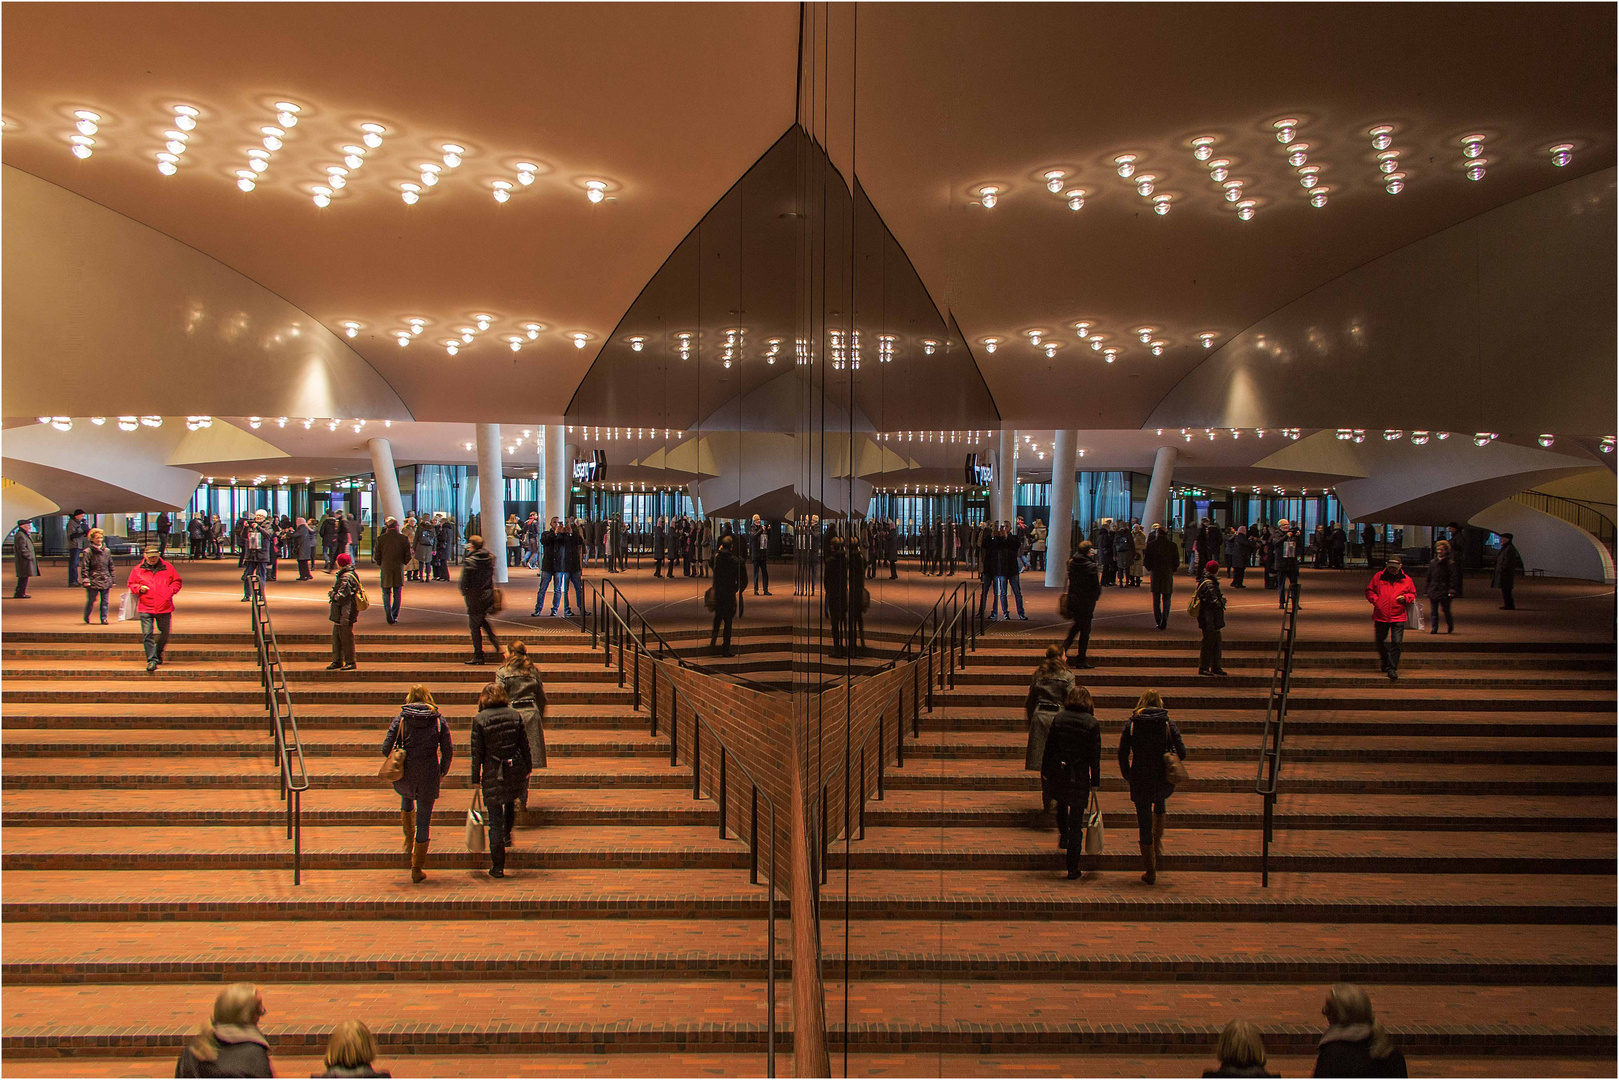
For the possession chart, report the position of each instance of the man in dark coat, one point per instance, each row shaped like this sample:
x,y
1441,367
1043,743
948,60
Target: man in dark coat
x,y
855,630
759,550
570,564
989,569
328,539
478,588
550,568
78,532
197,534
22,559
730,579
837,594
1336,543
1102,543
164,526
1084,589
1160,561
444,551
1012,570
1508,564
660,547
391,552
891,549
258,550
1209,541
1286,549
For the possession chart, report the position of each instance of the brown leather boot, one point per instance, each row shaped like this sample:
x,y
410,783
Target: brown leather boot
x,y
1149,865
1157,837
418,860
407,821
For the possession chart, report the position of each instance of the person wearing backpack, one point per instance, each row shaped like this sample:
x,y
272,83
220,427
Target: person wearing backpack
x,y
1210,603
500,768
421,731
344,597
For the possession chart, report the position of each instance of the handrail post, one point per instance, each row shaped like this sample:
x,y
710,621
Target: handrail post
x,y
674,725
753,839
770,956
722,791
635,675
298,838
882,752
621,657
696,757
862,817
653,704
825,841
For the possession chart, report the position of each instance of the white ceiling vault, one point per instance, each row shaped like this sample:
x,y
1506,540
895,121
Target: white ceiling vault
x,y
665,106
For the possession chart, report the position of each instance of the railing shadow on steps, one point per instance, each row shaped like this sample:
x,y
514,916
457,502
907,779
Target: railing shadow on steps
x,y
1270,744
609,628
278,702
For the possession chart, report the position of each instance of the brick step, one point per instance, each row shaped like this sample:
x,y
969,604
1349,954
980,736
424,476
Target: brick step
x,y
263,806
153,688
1429,723
554,634
345,771
565,847
1378,695
387,950
436,672
236,895
918,1016
635,742
1319,851
1417,682
1417,655
541,651
1011,745
999,809
999,637
1370,778
324,716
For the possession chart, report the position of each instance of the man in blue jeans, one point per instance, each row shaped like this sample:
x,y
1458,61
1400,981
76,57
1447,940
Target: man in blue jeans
x,y
1011,569
570,561
78,531
989,572
550,554
759,547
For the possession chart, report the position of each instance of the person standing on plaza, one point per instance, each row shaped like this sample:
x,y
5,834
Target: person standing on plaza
x,y
1210,619
730,580
1508,565
22,558
1011,571
198,530
391,552
1390,592
1124,553
855,630
570,566
1102,541
1286,549
421,730
837,594
303,546
550,568
78,531
425,541
1138,554
328,539
258,548
478,588
1037,544
154,583
891,549
759,549
1084,589
1238,548
164,526
343,599
1161,561
1336,543
96,573
660,547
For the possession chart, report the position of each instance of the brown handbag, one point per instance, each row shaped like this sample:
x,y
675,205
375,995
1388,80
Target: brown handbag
x,y
1174,769
497,602
393,766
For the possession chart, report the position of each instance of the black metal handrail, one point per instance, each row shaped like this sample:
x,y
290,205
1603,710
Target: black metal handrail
x,y
1592,517
666,650
1270,743
612,627
278,702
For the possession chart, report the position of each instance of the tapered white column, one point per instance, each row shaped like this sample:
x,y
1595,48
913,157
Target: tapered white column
x,y
554,474
389,503
491,495
1059,530
1163,471
1006,477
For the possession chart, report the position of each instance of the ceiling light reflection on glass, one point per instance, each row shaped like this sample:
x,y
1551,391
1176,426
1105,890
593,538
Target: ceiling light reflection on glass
x,y
1562,154
1286,130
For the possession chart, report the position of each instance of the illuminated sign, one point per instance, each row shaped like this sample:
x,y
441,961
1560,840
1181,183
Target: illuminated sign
x,y
979,475
591,469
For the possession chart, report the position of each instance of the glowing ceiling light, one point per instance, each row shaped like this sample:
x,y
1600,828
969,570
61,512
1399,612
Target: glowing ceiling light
x,y
990,343
373,134
354,156
128,423
1157,347
1051,348
579,340
429,172
1388,161
350,328
1382,137
403,337
322,195
244,179
410,193
1034,337
533,330
1083,329
502,190
1144,184
1472,145
452,154
286,114
1096,342
1125,166
1394,183
152,421
1318,197
1308,176
1245,210
1475,168
483,321
1054,180
281,421
1206,339
1145,333
1219,169
1203,147
272,137
1562,154
1296,155
928,346
168,164
1076,198
1483,438
62,423
1546,439
525,172
637,343
988,197
1233,190
185,117
595,190
1286,130
1110,355
516,341
81,146
452,346
86,121
336,175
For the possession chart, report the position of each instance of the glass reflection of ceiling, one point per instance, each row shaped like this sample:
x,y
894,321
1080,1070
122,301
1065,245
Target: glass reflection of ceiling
x,y
758,289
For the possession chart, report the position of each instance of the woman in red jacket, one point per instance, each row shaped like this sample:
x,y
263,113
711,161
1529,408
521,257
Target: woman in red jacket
x,y
154,583
1389,592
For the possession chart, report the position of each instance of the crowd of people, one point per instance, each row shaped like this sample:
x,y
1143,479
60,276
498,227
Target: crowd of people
x,y
232,1042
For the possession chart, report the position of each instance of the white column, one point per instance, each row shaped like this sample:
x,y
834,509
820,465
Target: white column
x,y
1006,477
491,491
554,476
1163,471
1059,530
389,504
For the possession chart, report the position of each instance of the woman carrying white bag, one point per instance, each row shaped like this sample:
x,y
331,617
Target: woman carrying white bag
x,y
1071,769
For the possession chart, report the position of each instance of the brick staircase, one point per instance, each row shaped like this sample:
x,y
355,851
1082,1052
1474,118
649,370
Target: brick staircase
x,y
146,862
1447,841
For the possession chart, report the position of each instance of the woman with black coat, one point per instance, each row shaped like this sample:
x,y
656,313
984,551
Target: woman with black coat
x,y
1210,619
1148,735
526,693
1084,589
1355,1044
1444,584
729,580
837,595
421,730
230,1043
345,612
500,767
1071,768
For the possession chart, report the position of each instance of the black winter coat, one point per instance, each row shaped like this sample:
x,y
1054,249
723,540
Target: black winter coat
x,y
1444,579
500,755
1147,735
1161,559
1084,585
728,581
1072,764
569,547
342,597
550,549
478,581
1340,1057
428,750
78,532
233,1051
1211,605
837,583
